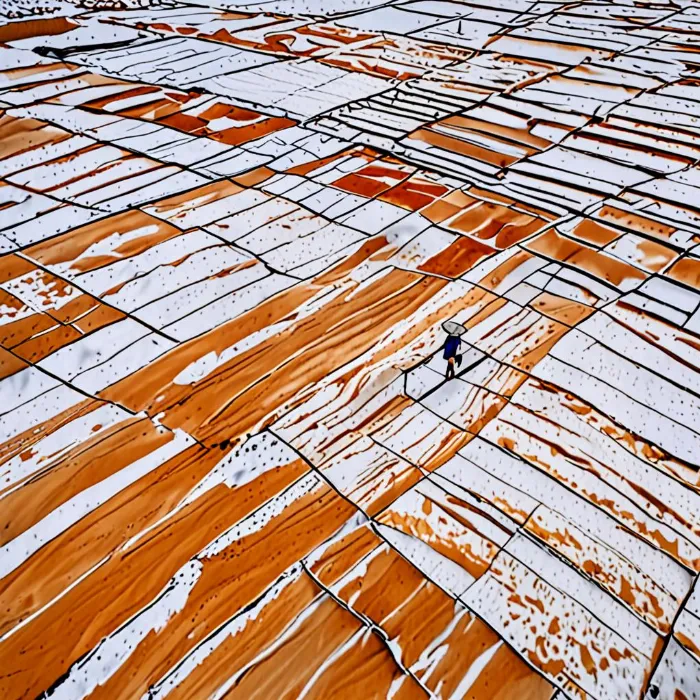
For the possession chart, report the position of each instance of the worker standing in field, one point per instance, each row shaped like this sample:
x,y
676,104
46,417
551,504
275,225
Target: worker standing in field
x,y
451,347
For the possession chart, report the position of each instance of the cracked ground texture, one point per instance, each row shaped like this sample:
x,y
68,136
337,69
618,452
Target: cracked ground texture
x,y
230,465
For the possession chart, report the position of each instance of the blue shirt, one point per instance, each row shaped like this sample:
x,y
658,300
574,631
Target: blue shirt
x,y
451,346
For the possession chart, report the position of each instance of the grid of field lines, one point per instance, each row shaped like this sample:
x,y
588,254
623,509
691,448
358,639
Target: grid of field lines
x,y
230,463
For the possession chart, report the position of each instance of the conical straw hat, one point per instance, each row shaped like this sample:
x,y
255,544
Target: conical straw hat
x,y
453,328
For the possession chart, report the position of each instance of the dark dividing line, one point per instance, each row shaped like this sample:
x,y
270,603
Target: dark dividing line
x,y
458,600
521,529
114,429
444,381
567,265
74,283
668,474
368,624
130,152
412,95
424,472
614,352
63,53
63,382
288,573
547,550
381,108
544,546
624,393
652,671
317,471
482,499
577,497
645,297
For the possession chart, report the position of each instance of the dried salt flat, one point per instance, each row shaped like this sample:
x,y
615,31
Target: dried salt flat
x,y
304,7
471,32
29,142
613,664
379,120
179,62
126,179
435,94
578,169
45,398
687,632
607,368
369,401
283,150
313,196
21,205
677,436
535,486
162,605
178,149
464,405
450,577
632,335
621,578
617,495
528,43
674,503
110,279
82,90
459,476
310,255
372,217
77,121
20,67
598,36
298,89
24,386
662,310
198,295
203,205
150,285
421,437
63,176
583,288
126,361
308,148
648,255
6,245
433,655
369,475
396,20
147,138
231,163
595,601
399,56
227,307
420,249
561,198
663,109
678,672
93,349
206,20
287,223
